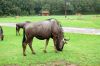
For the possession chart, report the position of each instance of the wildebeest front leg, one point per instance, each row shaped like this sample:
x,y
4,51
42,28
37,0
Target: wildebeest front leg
x,y
30,45
47,40
54,40
24,48
18,31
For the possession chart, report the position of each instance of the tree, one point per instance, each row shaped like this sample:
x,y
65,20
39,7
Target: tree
x,y
31,7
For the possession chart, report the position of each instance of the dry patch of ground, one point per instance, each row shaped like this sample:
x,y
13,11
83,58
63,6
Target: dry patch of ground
x,y
51,63
54,63
11,65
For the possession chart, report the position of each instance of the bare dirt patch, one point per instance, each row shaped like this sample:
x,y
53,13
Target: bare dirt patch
x,y
11,65
51,63
54,63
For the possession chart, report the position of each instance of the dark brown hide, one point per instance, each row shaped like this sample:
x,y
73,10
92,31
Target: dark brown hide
x,y
20,25
43,30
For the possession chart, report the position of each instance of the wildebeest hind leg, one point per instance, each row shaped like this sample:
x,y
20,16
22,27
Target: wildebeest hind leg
x,y
30,45
47,40
24,48
16,32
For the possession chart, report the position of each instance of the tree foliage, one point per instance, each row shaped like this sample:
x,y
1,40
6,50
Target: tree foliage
x,y
31,7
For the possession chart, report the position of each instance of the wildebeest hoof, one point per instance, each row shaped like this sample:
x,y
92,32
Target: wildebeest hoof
x,y
56,51
44,51
24,54
33,53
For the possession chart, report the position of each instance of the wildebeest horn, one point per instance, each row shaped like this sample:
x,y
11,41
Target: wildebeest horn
x,y
67,39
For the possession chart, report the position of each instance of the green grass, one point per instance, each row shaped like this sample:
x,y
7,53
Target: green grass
x,y
84,21
83,50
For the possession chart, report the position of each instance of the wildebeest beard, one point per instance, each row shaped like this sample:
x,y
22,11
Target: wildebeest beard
x,y
59,43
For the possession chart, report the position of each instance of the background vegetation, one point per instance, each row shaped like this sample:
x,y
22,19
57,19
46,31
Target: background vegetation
x,y
32,7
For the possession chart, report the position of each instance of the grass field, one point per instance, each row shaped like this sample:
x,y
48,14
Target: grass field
x,y
83,50
84,21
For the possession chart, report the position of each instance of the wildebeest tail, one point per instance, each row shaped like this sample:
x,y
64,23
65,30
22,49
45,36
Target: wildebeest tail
x,y
24,38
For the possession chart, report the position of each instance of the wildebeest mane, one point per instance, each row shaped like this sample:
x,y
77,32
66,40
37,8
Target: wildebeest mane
x,y
59,35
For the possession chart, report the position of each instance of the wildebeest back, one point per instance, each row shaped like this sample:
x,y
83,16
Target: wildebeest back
x,y
39,30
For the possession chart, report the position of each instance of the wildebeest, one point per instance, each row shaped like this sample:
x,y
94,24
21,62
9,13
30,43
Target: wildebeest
x,y
20,25
1,33
43,30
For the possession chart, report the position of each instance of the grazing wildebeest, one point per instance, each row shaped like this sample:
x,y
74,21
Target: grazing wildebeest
x,y
20,25
1,33
43,30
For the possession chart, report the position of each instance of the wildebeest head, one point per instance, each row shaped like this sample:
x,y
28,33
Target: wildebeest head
x,y
63,41
60,40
